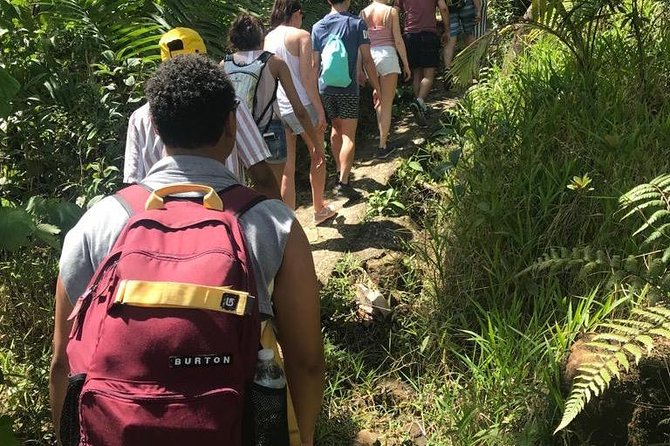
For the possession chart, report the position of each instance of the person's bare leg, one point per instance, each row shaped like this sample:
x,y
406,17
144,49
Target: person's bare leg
x,y
417,76
378,112
449,51
347,130
336,146
317,175
388,85
426,83
288,179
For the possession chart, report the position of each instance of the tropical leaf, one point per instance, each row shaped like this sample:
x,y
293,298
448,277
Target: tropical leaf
x,y
7,437
8,89
16,225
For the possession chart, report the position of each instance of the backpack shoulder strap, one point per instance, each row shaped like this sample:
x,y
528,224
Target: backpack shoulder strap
x,y
265,56
133,198
238,199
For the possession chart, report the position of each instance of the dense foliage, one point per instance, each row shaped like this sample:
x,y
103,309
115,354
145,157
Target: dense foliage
x,y
552,136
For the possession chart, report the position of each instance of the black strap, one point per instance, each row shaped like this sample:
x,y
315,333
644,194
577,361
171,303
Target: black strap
x,y
267,108
264,58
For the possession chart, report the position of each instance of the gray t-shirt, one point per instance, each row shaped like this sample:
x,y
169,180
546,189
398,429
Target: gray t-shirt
x,y
266,227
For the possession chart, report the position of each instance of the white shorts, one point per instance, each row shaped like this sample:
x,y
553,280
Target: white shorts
x,y
386,59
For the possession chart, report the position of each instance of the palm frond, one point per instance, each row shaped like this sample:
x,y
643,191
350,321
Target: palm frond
x,y
467,63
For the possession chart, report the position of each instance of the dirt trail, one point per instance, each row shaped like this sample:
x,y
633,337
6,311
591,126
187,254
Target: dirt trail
x,y
349,232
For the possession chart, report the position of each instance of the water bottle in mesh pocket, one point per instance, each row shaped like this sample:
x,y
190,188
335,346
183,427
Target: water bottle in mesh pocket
x,y
69,419
268,406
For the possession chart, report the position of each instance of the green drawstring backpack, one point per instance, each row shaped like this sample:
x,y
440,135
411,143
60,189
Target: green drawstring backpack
x,y
335,63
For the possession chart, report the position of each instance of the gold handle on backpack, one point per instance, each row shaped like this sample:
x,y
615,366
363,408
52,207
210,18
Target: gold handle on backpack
x,y
210,200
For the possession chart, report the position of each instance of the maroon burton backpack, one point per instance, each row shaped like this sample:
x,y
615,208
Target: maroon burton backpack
x,y
164,340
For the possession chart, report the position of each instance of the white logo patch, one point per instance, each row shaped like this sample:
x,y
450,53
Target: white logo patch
x,y
201,360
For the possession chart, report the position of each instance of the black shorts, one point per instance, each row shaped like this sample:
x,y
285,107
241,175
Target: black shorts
x,y
340,106
423,49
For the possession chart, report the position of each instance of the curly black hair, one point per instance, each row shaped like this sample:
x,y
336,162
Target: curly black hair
x,y
190,97
246,33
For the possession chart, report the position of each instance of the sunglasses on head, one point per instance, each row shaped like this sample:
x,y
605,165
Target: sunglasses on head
x,y
298,9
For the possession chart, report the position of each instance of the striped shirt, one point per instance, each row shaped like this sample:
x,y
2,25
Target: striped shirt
x,y
144,147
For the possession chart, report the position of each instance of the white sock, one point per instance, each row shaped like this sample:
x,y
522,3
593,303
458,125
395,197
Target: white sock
x,y
421,103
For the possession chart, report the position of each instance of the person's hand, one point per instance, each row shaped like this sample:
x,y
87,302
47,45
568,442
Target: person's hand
x,y
407,74
376,100
318,157
445,37
321,122
361,77
478,16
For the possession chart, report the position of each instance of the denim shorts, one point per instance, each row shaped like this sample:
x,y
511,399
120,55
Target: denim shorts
x,y
291,120
275,138
463,20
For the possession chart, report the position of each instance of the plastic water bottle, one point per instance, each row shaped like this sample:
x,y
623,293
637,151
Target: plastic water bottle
x,y
268,397
268,372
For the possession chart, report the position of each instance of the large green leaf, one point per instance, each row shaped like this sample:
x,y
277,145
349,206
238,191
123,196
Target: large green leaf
x,y
16,225
8,89
62,214
7,437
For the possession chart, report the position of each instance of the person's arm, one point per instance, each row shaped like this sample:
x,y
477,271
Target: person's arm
x,y
371,71
279,69
253,152
133,167
308,74
60,367
444,13
264,180
478,10
360,73
400,43
297,315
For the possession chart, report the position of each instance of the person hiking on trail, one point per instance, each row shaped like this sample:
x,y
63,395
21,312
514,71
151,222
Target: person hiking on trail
x,y
464,18
294,46
192,104
257,75
423,47
337,39
144,147
385,45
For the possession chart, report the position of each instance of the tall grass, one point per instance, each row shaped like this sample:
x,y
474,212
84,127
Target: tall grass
x,y
526,131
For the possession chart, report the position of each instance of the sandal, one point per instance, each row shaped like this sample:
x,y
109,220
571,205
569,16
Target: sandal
x,y
324,214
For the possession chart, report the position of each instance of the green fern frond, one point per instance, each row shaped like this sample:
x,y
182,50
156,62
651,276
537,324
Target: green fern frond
x,y
626,338
658,216
651,201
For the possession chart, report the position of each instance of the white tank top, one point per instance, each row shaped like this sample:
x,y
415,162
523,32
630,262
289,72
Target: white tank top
x,y
274,42
266,85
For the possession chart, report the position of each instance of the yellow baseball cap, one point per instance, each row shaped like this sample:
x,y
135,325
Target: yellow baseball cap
x,y
181,41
